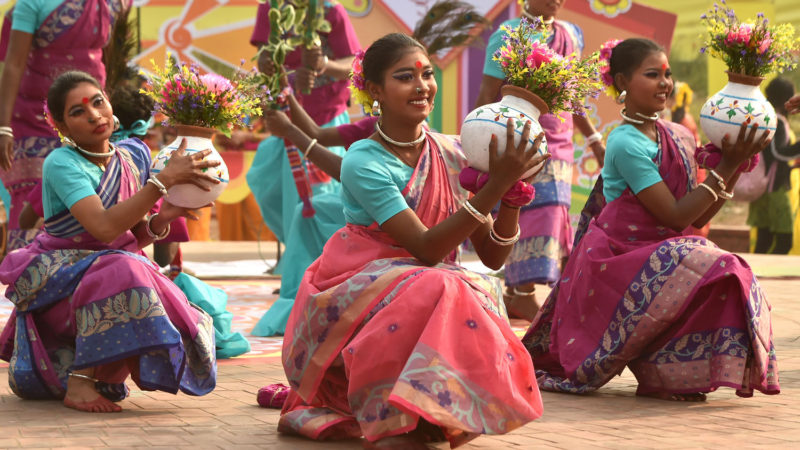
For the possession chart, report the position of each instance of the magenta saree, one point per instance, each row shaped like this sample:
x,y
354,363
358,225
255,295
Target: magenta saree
x,y
72,37
376,340
682,314
82,303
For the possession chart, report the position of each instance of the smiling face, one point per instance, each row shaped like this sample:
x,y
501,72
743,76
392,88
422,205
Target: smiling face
x,y
408,88
88,118
544,8
649,85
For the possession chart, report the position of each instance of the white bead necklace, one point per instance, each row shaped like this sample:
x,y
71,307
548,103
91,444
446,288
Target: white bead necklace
x,y
398,143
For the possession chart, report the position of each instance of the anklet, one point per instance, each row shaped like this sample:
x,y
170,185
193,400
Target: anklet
x,y
85,377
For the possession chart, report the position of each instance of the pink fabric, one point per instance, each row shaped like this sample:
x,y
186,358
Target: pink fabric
x,y
273,396
34,198
518,195
366,289
710,156
682,314
358,130
327,101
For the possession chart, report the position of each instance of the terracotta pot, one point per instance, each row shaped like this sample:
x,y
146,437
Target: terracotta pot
x,y
479,125
197,140
740,101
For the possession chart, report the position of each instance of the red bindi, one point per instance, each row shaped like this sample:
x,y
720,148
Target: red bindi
x,y
85,100
419,64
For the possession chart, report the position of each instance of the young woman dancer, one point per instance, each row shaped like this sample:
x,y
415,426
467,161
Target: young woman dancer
x,y
389,338
639,290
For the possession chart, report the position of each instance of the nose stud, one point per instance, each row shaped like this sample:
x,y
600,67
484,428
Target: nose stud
x,y
419,90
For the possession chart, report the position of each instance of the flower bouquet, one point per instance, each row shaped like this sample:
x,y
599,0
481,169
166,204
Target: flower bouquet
x,y
200,105
540,81
750,50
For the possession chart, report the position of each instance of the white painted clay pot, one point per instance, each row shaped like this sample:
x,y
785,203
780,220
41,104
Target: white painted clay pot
x,y
479,125
740,101
197,140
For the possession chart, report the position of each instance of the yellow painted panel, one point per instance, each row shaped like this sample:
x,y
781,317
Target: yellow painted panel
x,y
450,91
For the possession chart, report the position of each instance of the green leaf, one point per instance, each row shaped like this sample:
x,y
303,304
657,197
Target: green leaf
x,y
731,113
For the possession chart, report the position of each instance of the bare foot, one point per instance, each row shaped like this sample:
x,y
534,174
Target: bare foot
x,y
82,396
693,397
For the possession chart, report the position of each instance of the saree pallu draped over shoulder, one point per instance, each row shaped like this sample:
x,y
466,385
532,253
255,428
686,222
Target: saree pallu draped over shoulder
x,y
83,303
682,314
377,340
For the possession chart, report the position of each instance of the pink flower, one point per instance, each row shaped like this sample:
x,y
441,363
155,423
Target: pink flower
x,y
215,83
765,44
540,54
740,35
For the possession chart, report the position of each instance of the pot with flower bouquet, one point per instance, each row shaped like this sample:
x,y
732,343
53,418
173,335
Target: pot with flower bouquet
x,y
200,106
750,50
539,81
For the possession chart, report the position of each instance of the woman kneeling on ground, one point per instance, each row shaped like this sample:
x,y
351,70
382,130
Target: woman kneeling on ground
x,y
389,338
638,290
90,308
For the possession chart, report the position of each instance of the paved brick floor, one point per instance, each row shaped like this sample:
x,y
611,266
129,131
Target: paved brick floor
x,y
610,418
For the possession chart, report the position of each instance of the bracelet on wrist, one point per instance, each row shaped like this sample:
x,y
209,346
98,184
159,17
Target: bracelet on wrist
x,y
594,137
156,237
309,148
504,241
718,177
710,190
475,213
725,195
158,184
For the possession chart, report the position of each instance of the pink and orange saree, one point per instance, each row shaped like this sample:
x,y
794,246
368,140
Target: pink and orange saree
x,y
377,340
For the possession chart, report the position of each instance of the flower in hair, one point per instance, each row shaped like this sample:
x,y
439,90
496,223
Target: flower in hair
x,y
358,85
605,68
49,119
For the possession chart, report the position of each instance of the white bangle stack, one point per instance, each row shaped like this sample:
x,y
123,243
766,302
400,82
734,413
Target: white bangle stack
x,y
710,190
158,184
156,237
475,213
718,177
504,241
309,148
594,137
7,131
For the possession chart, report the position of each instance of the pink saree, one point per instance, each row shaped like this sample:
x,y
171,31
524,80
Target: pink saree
x,y
376,340
682,314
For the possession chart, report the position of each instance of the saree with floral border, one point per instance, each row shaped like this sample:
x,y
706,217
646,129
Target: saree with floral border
x,y
684,315
377,340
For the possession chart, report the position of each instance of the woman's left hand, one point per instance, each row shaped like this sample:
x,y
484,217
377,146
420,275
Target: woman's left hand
x,y
172,212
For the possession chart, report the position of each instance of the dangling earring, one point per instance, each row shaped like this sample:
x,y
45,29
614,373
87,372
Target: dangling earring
x,y
621,97
68,141
376,108
116,123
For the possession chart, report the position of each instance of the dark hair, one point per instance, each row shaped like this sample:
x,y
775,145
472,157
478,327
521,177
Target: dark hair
x,y
778,92
629,54
386,51
129,105
57,95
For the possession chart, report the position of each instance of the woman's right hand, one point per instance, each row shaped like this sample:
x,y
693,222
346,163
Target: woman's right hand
x,y
182,168
793,105
6,152
512,164
278,123
745,147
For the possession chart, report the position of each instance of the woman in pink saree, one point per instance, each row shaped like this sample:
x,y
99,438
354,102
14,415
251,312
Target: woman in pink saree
x,y
89,307
382,339
639,290
43,40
